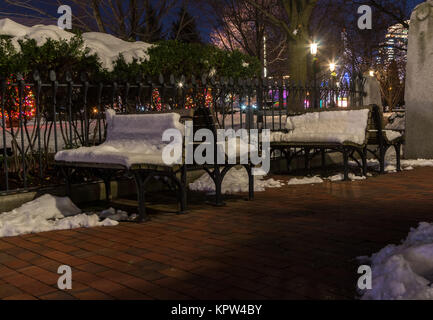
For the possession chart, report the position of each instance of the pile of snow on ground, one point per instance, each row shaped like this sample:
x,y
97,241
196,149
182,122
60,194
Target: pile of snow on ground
x,y
235,181
317,179
340,177
305,180
390,165
48,213
404,272
417,163
117,215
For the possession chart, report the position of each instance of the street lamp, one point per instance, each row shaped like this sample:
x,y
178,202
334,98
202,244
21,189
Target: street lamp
x,y
332,68
313,50
371,73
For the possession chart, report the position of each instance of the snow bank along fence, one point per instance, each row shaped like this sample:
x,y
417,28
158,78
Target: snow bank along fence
x,y
40,117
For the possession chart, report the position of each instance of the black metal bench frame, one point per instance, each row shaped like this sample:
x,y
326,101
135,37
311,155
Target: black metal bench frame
x,y
347,149
143,174
377,136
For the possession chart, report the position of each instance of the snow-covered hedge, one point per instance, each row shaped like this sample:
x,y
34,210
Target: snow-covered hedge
x,y
187,59
44,48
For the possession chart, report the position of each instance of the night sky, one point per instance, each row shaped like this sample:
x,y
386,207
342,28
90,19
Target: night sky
x,y
205,22
204,19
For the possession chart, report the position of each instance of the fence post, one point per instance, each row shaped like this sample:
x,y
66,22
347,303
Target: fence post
x,y
38,86
21,119
99,111
70,84
84,79
55,86
3,114
250,113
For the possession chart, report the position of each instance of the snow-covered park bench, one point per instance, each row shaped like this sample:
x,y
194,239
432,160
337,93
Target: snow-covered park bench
x,y
134,146
348,131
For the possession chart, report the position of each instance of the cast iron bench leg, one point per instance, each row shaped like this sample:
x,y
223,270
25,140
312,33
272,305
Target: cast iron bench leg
x,y
218,179
288,156
139,180
183,190
398,156
346,164
107,183
250,182
66,172
323,154
307,161
364,161
382,153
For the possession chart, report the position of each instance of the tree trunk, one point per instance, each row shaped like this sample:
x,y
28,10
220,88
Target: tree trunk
x,y
298,61
298,65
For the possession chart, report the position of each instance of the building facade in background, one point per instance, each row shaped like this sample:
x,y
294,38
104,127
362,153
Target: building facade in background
x,y
396,42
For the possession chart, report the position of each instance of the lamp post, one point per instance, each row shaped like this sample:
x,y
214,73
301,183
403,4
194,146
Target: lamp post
x,y
313,50
332,68
265,59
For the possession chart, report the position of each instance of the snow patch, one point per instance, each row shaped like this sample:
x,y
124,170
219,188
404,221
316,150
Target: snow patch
x,y
417,163
116,215
235,181
305,180
47,213
340,177
404,272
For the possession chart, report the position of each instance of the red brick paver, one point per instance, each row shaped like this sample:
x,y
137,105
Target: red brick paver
x,y
296,242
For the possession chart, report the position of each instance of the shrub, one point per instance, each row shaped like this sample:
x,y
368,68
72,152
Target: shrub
x,y
167,57
177,58
59,55
8,62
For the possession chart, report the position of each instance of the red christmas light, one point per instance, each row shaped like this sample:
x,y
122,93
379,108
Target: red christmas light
x,y
12,102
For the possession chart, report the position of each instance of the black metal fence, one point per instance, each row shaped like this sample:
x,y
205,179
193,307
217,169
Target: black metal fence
x,y
40,118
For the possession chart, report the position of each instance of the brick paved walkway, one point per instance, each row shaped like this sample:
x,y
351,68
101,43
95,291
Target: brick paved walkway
x,y
290,243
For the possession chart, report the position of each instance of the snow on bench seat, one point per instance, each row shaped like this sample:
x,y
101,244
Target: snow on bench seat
x,y
131,140
339,127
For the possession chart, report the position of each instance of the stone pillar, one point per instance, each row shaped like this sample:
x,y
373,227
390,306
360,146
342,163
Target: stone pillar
x,y
419,84
372,91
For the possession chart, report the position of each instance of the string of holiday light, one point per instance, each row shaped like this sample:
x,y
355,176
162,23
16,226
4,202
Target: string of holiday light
x,y
10,109
156,99
207,94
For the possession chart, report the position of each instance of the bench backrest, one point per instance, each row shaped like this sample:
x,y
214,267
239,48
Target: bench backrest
x,y
349,122
149,127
